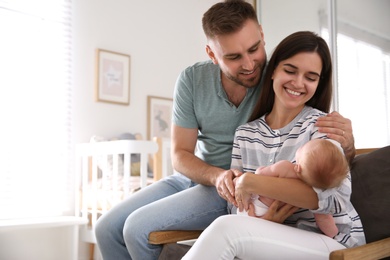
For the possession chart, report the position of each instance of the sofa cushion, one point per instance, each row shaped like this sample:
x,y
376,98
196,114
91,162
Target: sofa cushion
x,y
371,192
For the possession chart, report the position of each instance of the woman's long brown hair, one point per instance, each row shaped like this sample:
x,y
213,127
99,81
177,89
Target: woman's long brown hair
x,y
303,41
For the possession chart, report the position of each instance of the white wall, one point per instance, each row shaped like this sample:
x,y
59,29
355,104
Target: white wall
x,y
162,38
54,243
280,18
283,17
371,16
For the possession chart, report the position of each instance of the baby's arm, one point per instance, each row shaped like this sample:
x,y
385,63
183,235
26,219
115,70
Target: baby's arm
x,y
282,169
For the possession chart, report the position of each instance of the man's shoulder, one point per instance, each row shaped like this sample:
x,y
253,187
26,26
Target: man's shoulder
x,y
201,74
206,66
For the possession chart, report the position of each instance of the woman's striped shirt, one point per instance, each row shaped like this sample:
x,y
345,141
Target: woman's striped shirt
x,y
256,144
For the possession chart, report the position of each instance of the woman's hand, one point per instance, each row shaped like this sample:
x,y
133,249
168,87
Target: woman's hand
x,y
339,129
277,212
243,198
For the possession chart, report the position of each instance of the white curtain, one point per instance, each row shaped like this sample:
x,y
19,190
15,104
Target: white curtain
x,y
363,90
35,108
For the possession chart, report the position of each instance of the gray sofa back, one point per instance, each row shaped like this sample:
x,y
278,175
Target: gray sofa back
x,y
371,192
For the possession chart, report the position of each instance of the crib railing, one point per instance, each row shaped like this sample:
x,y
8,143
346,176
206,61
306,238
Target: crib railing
x,y
104,177
162,165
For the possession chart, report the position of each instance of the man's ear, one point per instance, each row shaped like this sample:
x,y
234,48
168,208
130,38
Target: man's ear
x,y
211,54
262,33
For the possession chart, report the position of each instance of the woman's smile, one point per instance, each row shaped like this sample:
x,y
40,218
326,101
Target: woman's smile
x,y
292,92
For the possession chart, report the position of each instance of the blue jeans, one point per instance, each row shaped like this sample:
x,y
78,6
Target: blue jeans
x,y
173,203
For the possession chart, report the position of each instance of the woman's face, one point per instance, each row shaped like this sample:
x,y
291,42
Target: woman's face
x,y
295,80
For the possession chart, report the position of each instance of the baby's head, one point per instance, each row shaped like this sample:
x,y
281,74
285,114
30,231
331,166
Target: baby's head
x,y
321,164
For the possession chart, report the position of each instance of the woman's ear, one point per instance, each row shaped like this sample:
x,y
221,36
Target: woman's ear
x,y
211,54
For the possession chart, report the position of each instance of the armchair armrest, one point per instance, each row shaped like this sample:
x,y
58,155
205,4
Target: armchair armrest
x,y
374,250
172,236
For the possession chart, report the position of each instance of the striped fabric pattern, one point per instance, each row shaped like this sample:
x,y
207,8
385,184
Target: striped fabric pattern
x,y
256,144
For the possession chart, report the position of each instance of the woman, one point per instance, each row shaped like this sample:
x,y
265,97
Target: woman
x,y
297,88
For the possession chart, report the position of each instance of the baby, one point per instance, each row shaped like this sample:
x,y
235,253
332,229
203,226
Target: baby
x,y
320,164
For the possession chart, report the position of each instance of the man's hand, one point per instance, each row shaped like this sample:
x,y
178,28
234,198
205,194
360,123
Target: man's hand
x,y
225,186
339,129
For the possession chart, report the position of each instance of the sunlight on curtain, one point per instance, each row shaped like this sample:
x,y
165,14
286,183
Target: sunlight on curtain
x,y
35,107
364,89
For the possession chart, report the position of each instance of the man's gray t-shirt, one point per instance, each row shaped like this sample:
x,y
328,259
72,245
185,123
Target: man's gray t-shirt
x,y
201,102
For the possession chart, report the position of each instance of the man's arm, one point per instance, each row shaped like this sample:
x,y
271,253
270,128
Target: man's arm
x,y
185,162
339,129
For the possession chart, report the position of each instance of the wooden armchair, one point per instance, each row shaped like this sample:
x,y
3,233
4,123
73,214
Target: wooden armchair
x,y
370,196
172,236
374,250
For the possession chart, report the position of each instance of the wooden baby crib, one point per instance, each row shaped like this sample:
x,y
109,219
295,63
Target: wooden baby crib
x,y
108,172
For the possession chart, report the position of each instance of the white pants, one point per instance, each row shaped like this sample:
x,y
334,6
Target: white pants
x,y
244,237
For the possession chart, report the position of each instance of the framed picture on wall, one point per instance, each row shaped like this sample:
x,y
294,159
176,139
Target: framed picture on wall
x,y
159,117
112,77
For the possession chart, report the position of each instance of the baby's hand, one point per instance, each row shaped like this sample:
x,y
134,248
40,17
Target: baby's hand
x,y
258,170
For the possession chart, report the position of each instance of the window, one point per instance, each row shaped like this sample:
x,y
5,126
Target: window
x,y
363,61
35,107
364,90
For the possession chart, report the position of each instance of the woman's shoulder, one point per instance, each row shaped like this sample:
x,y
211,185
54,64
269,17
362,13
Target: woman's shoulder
x,y
312,113
255,124
306,119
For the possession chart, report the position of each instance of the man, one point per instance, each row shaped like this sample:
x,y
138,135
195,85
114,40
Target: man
x,y
211,100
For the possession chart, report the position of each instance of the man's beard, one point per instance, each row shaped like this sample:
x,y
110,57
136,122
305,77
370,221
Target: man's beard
x,y
253,82
247,84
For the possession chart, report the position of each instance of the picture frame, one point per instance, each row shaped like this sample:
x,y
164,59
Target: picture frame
x,y
159,111
112,77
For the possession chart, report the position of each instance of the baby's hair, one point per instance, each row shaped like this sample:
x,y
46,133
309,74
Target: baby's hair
x,y
325,164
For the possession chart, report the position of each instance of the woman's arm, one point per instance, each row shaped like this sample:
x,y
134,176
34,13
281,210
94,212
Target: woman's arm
x,y
291,191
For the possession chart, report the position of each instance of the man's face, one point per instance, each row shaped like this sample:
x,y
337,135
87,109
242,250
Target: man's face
x,y
240,55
